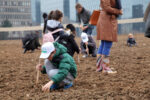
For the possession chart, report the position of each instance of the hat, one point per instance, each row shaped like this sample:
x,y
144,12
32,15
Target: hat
x,y
84,37
47,49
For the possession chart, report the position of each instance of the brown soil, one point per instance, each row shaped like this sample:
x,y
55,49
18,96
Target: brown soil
x,y
132,81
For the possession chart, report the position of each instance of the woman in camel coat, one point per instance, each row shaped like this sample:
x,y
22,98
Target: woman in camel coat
x,y
107,28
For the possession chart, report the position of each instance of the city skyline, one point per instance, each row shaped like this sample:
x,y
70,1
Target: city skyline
x,y
38,7
126,4
17,12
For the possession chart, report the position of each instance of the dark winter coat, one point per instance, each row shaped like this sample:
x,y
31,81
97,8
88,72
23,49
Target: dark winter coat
x,y
69,42
64,39
131,41
84,16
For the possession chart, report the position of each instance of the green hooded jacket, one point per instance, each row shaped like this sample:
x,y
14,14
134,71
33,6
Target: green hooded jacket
x,y
65,65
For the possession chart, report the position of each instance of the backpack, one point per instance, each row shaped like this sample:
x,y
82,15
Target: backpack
x,y
49,36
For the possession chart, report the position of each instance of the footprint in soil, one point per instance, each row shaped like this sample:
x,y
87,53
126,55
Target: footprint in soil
x,y
140,58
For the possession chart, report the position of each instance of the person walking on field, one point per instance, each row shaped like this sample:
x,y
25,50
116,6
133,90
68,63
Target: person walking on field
x,y
107,32
84,17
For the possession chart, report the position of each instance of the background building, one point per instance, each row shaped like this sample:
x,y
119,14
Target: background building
x,y
137,12
66,10
18,12
36,12
49,5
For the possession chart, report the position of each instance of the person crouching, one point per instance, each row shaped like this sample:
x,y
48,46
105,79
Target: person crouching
x,y
131,41
88,45
59,66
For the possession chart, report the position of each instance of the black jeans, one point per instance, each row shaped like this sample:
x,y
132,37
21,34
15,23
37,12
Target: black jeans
x,y
92,51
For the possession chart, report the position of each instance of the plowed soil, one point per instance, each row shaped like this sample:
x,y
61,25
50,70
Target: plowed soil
x,y
131,82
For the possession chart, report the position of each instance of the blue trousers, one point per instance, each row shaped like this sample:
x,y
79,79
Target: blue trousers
x,y
105,47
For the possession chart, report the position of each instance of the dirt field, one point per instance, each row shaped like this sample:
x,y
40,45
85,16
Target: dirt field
x,y
132,82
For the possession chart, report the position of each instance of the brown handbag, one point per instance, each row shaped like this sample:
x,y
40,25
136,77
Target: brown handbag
x,y
94,17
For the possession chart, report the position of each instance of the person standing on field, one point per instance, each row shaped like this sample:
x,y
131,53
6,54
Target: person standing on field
x,y
84,17
107,32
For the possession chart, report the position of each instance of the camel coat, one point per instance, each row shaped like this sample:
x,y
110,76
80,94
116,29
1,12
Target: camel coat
x,y
107,25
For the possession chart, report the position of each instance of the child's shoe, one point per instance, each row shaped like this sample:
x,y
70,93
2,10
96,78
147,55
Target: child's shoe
x,y
106,68
54,87
84,56
68,86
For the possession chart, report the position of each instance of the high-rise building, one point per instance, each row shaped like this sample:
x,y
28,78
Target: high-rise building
x,y
131,9
66,4
36,12
18,12
49,5
128,6
137,12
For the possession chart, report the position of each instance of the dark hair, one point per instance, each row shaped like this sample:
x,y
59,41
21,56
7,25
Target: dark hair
x,y
72,28
44,15
78,5
57,15
51,15
45,21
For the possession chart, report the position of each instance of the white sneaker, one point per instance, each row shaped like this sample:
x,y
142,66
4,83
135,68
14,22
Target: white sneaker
x,y
84,56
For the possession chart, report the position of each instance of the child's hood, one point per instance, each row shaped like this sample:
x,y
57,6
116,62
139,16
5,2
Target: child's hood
x,y
53,23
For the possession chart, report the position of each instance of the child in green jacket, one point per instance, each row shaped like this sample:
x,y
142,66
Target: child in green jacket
x,y
59,66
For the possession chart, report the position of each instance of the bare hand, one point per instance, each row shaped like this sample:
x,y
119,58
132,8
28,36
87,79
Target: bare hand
x,y
84,28
39,67
47,86
87,50
86,43
121,12
81,27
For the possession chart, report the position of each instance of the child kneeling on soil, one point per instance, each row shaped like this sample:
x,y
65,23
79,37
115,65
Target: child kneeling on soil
x,y
88,45
59,66
131,41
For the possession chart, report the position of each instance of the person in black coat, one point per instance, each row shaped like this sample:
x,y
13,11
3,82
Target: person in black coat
x,y
147,21
72,45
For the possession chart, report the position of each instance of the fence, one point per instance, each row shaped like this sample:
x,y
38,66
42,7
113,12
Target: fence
x,y
130,22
